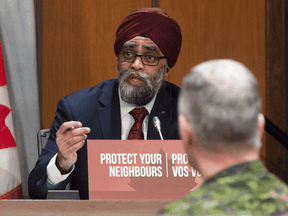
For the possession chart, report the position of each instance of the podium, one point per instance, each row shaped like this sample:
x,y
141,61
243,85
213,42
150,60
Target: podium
x,y
126,177
139,170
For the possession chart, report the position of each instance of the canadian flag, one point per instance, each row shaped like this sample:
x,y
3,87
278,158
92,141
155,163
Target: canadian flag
x,y
10,178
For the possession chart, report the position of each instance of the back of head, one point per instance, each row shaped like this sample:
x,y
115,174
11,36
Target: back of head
x,y
221,100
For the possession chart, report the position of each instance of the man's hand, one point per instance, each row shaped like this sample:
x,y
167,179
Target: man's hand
x,y
71,137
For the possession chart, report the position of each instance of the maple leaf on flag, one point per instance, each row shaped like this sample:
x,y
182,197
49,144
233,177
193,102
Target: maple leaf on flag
x,y
7,139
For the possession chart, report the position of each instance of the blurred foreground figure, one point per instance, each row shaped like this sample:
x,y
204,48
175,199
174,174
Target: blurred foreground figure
x,y
221,125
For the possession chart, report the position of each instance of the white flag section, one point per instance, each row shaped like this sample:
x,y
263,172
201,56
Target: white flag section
x,y
10,178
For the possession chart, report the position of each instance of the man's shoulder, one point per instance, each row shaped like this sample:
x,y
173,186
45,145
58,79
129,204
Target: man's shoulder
x,y
257,204
265,195
182,206
171,89
95,91
172,86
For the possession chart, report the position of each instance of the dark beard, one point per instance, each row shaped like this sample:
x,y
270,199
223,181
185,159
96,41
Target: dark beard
x,y
139,95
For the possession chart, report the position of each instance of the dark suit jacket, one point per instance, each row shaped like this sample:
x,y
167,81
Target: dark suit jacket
x,y
98,108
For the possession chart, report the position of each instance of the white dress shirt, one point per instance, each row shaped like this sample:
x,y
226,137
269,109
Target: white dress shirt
x,y
54,176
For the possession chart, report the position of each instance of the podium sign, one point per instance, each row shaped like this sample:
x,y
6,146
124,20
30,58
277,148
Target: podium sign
x,y
139,169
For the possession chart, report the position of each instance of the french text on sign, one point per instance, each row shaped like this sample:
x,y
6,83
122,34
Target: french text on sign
x,y
119,158
179,158
194,171
180,171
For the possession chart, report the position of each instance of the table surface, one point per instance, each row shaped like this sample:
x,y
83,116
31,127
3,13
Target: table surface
x,y
81,207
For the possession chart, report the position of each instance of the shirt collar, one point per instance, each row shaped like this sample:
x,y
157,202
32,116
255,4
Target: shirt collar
x,y
127,107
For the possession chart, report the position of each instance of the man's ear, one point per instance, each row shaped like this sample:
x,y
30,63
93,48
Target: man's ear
x,y
261,124
167,69
185,130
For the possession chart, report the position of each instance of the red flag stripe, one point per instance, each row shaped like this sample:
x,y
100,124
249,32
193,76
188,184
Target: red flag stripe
x,y
2,71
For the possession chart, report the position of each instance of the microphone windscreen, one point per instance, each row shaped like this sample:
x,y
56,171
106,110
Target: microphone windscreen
x,y
156,121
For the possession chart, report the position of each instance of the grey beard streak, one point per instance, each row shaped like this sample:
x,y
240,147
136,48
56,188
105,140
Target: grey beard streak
x,y
139,95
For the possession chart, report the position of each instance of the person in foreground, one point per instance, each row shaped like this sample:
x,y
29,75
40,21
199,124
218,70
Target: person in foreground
x,y
147,44
221,125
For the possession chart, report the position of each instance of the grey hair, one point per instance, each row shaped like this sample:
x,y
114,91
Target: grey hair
x,y
221,100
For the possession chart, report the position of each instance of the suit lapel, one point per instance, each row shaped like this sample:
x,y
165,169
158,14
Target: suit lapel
x,y
109,113
161,108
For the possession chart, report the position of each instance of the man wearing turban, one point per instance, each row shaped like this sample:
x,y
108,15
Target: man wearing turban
x,y
147,45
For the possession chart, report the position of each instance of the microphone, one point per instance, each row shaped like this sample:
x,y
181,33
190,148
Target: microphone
x,y
156,122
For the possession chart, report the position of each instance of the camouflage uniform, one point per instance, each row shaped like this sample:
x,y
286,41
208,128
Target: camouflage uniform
x,y
244,189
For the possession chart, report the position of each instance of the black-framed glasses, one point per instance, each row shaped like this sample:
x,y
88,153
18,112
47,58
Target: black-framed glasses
x,y
147,58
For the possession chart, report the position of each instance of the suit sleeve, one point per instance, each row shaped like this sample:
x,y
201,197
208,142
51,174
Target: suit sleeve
x,y
37,181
